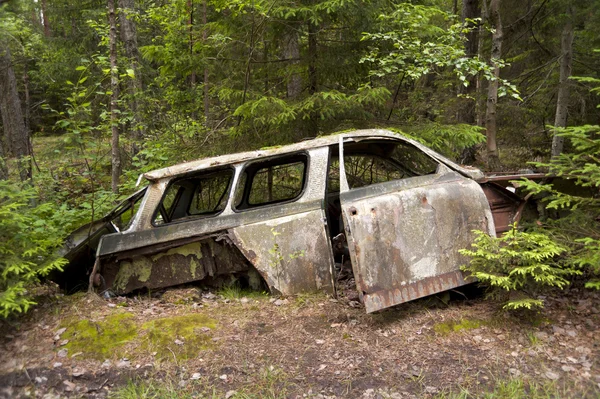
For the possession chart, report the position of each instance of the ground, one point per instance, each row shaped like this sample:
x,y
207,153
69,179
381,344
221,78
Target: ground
x,y
186,342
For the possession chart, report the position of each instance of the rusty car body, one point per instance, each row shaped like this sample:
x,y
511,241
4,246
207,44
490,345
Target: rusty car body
x,y
268,217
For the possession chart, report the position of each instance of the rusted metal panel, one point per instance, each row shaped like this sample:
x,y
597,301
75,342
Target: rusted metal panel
x,y
411,291
405,237
161,266
504,204
292,253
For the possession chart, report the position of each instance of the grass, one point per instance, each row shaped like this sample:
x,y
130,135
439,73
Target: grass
x,y
233,292
513,388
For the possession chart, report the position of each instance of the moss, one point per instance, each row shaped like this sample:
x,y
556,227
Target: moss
x,y
100,339
162,334
453,326
140,267
194,248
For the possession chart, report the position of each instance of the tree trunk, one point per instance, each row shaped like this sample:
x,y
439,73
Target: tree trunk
x,y
470,11
129,38
45,19
313,128
292,52
206,82
114,97
12,116
479,97
562,102
492,99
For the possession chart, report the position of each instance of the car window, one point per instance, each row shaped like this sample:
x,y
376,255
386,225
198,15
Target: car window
x,y
271,182
199,195
369,163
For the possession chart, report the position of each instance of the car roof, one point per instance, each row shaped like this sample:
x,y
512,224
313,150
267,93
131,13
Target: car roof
x,y
228,159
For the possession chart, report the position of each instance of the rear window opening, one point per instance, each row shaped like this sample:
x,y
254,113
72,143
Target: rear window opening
x,y
200,195
275,181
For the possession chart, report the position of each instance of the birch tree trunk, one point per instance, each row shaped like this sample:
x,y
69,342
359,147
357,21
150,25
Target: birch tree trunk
x,y
492,98
114,97
15,132
562,101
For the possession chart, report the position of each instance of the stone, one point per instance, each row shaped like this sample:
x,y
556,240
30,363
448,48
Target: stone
x,y
69,386
178,342
57,364
123,363
196,376
552,375
280,302
63,352
320,341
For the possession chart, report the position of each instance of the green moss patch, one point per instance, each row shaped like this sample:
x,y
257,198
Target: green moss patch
x,y
182,337
456,326
100,339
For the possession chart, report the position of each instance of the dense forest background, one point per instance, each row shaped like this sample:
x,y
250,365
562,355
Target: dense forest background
x,y
93,93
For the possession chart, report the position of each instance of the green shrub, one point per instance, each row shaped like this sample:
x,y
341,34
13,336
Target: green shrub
x,y
578,229
28,240
521,263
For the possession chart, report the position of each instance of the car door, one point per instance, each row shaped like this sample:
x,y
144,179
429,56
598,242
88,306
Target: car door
x,y
406,216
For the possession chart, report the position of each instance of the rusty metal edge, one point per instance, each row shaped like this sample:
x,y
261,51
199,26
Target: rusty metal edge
x,y
418,289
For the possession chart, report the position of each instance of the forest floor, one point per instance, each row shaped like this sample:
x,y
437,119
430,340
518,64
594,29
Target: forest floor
x,y
188,343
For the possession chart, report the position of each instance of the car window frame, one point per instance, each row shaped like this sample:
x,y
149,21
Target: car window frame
x,y
159,207
259,163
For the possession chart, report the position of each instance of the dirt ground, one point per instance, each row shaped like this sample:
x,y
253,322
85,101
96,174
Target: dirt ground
x,y
233,344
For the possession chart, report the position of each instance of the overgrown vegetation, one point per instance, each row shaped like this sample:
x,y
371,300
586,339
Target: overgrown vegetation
x,y
189,79
522,263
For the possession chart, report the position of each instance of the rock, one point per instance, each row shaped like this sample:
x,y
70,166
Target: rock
x,y
69,386
77,372
541,335
567,368
431,390
63,342
558,330
106,364
182,383
41,380
63,352
243,300
57,364
572,333
223,377
178,342
208,295
60,331
552,375
514,372
229,394
123,363
320,341
280,302
112,305
205,329
195,376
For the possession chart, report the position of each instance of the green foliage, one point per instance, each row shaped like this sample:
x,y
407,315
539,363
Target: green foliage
x,y
416,40
449,140
519,262
578,229
28,238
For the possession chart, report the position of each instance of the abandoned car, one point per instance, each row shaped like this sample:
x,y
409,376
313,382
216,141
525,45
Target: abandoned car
x,y
399,210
